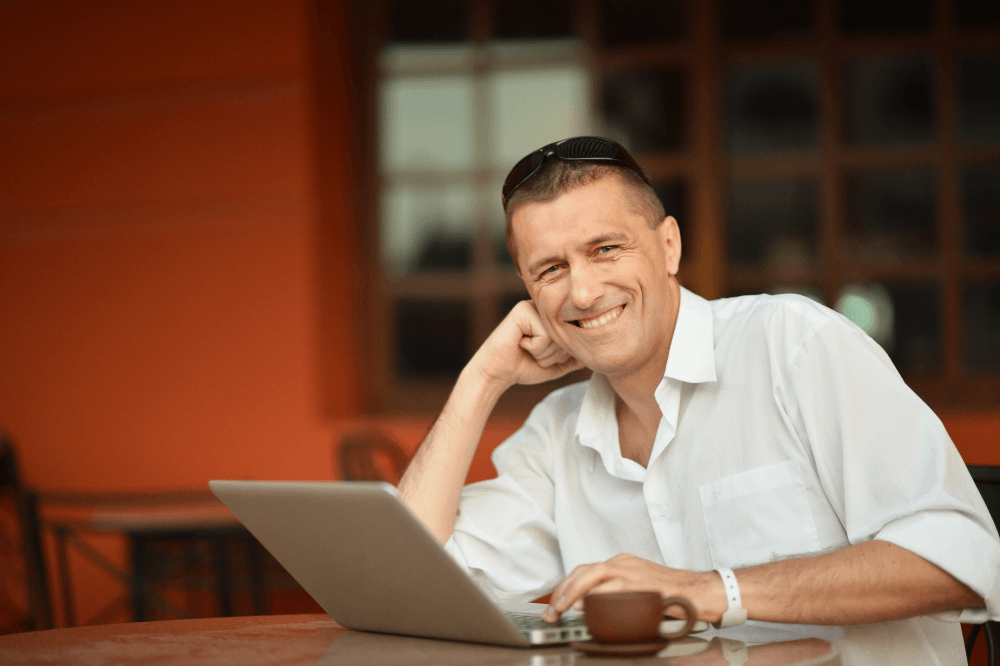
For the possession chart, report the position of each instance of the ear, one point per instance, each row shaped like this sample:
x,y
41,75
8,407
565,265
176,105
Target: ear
x,y
670,236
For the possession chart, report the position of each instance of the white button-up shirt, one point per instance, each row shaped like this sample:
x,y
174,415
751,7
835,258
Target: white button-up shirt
x,y
786,431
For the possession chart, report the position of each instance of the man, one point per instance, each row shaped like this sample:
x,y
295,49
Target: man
x,y
762,434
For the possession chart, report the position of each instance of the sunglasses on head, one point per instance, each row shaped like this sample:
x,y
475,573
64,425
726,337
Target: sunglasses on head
x,y
579,148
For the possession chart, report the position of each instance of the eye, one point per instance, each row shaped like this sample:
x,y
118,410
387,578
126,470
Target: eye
x,y
607,249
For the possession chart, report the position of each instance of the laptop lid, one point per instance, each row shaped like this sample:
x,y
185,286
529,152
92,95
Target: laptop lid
x,y
359,551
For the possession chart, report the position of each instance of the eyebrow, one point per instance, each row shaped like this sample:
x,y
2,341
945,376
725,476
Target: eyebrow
x,y
604,239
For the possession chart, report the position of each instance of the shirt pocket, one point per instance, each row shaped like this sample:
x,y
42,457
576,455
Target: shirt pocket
x,y
758,516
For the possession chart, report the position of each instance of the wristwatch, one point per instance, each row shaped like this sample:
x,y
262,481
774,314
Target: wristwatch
x,y
735,614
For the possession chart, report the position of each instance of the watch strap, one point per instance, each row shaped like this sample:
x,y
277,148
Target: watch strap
x,y
735,614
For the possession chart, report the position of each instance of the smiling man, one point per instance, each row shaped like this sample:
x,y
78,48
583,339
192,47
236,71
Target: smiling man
x,y
766,435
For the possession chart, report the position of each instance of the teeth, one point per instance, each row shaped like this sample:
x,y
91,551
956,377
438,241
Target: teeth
x,y
597,322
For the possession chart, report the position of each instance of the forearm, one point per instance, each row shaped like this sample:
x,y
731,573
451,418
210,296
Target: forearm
x,y
871,582
432,483
875,581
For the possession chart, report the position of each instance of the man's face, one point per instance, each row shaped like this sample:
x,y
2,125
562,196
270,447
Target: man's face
x,y
599,276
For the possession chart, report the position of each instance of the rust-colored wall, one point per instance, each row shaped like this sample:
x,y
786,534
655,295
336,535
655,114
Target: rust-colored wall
x,y
158,261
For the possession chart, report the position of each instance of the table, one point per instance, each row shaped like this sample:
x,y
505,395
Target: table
x,y
169,534
316,640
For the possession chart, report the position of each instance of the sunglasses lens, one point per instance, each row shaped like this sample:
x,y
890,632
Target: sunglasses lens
x,y
587,148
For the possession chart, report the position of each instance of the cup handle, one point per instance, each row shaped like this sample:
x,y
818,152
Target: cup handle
x,y
688,609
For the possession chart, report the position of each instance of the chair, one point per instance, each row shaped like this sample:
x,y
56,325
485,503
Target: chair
x,y
987,479
21,544
370,455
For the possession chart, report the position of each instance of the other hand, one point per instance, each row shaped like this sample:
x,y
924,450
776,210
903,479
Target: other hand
x,y
628,573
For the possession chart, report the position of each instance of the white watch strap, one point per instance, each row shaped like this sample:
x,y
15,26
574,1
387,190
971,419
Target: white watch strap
x,y
735,614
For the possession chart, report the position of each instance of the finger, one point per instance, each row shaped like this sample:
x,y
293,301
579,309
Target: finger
x,y
551,614
581,585
558,358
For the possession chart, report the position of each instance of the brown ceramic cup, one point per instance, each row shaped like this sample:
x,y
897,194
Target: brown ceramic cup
x,y
632,617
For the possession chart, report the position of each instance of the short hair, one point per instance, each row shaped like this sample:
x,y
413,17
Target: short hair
x,y
557,177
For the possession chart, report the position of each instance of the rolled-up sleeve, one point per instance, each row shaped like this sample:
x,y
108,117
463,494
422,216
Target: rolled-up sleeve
x,y
505,535
887,464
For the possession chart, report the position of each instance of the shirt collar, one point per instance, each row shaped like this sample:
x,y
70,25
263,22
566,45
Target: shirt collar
x,y
691,359
692,349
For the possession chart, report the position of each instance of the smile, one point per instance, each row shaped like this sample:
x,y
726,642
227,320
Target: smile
x,y
602,319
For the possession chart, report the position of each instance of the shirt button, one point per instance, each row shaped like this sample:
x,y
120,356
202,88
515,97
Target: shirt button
x,y
661,509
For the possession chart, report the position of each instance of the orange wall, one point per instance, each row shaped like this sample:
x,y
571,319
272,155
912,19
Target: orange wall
x,y
157,255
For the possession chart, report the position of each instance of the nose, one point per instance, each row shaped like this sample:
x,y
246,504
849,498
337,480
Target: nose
x,y
586,286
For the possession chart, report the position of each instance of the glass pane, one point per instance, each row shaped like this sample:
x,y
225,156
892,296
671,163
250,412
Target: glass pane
x,y
507,303
767,19
889,99
426,20
432,338
867,16
982,326
644,110
771,108
533,19
673,195
979,97
904,319
427,123
891,214
638,22
532,108
981,210
427,228
773,222
977,13
809,291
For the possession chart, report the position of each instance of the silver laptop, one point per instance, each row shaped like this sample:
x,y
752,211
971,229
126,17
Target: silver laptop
x,y
372,565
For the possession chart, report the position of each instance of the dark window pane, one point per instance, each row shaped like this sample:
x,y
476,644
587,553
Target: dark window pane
x,y
507,303
890,214
645,109
767,19
977,13
981,313
533,19
639,22
889,99
981,210
427,228
427,20
432,338
904,319
979,97
917,349
868,16
501,253
673,196
773,222
771,108
442,251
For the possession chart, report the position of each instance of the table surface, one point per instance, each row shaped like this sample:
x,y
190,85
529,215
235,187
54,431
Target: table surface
x,y
316,640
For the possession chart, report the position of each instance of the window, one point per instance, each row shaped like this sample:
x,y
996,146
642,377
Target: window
x,y
823,148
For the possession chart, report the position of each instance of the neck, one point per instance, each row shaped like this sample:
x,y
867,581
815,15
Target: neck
x,y
638,412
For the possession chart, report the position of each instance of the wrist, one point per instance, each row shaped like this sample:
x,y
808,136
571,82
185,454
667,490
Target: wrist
x,y
479,386
715,603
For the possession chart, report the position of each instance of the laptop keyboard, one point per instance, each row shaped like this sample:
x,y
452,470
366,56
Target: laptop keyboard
x,y
528,621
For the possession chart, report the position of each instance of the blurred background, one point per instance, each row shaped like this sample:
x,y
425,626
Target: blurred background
x,y
235,234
